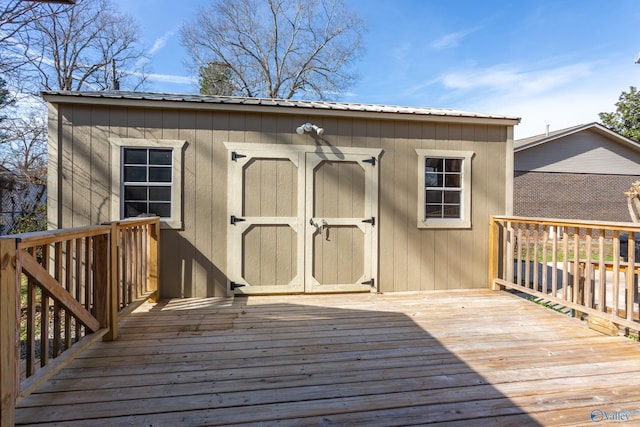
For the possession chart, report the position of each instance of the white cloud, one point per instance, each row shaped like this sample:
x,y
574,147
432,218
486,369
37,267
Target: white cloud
x,y
510,78
558,101
559,96
451,40
160,42
171,78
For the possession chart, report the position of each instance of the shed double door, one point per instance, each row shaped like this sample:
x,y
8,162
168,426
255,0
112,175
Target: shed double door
x,y
301,220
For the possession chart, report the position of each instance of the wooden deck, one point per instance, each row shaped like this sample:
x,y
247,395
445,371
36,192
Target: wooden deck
x,y
462,358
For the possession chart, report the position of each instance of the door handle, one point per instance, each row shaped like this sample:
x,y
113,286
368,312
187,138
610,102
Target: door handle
x,y
320,227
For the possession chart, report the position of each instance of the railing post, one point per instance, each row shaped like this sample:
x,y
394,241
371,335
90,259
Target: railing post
x,y
494,253
153,259
9,327
101,280
112,294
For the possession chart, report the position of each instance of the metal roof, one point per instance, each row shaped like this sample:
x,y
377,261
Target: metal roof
x,y
125,98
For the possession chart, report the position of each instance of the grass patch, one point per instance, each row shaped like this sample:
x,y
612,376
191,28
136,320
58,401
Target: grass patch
x,y
529,249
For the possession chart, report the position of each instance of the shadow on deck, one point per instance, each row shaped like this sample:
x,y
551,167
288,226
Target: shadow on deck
x,y
463,358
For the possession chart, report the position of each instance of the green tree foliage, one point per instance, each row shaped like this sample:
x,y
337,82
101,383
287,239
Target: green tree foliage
x,y
32,218
215,79
626,119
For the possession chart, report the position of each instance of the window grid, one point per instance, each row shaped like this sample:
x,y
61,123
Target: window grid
x,y
443,188
147,183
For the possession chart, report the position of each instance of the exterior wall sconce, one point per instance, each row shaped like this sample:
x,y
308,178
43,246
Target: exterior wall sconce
x,y
308,128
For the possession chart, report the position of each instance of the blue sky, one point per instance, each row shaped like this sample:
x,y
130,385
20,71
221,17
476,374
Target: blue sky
x,y
549,62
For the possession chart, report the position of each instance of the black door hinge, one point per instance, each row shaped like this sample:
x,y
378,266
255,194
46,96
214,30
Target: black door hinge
x,y
235,156
234,285
371,282
371,220
372,160
235,219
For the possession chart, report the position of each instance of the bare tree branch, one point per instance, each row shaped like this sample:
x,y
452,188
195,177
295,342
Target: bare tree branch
x,y
24,146
74,47
278,48
15,16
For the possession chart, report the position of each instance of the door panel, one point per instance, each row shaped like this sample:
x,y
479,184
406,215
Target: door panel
x,y
340,248
269,255
338,190
270,188
338,255
265,231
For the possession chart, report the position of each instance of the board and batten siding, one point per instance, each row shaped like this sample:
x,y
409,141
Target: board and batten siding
x,y
583,152
193,259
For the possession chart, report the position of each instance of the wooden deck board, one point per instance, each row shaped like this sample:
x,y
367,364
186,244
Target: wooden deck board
x,y
464,357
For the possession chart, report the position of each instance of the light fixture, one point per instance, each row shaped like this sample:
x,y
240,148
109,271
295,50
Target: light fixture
x,y
308,128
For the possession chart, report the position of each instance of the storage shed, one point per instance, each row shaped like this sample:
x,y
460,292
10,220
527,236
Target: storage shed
x,y
261,196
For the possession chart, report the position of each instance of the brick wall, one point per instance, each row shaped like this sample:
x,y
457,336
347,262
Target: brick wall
x,y
572,196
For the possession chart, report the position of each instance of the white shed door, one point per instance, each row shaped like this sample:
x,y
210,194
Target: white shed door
x,y
301,221
341,196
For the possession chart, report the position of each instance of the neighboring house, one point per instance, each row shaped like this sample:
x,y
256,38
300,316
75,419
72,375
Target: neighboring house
x,y
18,196
286,196
580,172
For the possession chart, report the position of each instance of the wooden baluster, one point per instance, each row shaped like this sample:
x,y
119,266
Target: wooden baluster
x,y
534,258
509,251
153,257
565,263
88,277
616,273
631,282
602,273
133,263
527,257
31,327
122,268
56,308
587,297
130,256
101,279
544,264
554,259
579,269
44,329
78,284
519,256
113,284
493,253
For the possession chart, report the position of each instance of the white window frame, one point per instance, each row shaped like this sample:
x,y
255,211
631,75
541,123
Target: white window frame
x,y
177,147
465,197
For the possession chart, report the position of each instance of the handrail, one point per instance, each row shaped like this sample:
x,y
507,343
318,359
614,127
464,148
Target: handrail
x,y
62,290
576,264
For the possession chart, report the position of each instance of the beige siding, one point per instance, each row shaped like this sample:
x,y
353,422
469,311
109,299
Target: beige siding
x,y
193,260
54,129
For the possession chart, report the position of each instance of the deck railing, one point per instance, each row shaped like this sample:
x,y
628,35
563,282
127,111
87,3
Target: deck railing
x,y
589,267
62,290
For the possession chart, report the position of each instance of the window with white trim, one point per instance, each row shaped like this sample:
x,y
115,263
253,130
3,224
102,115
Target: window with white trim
x,y
146,179
147,182
444,198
